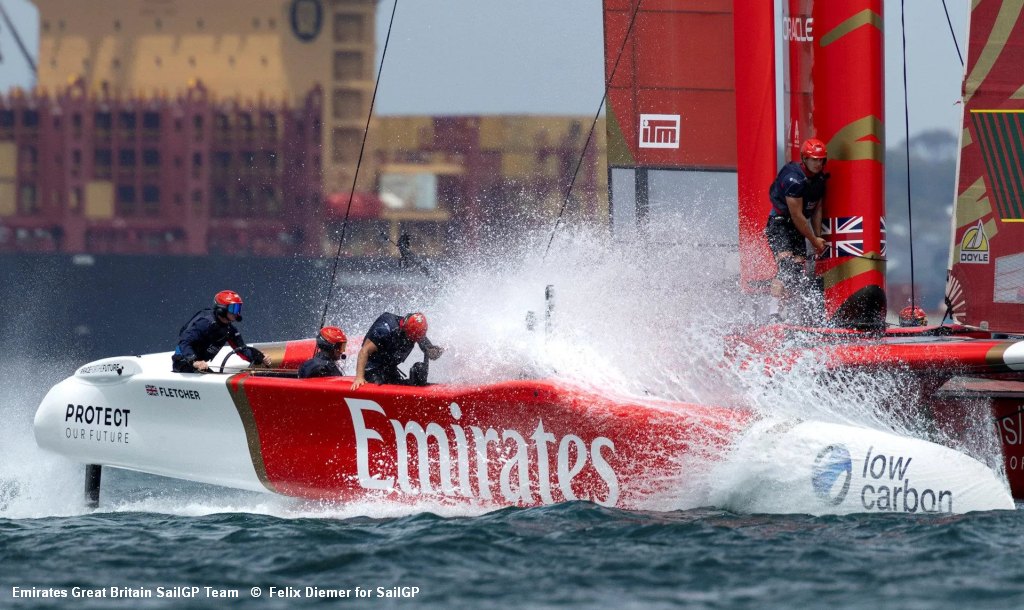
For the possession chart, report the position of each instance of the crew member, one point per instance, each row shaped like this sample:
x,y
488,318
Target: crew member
x,y
913,316
330,347
387,344
205,334
796,195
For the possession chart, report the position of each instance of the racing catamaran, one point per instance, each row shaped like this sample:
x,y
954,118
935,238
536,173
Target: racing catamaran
x,y
514,443
525,442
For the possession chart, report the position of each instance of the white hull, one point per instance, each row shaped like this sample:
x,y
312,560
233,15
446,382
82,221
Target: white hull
x,y
517,443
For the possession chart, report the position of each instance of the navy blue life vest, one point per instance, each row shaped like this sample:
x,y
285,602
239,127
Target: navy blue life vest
x,y
793,182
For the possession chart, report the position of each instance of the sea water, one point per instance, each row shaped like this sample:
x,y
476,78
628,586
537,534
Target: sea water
x,y
643,321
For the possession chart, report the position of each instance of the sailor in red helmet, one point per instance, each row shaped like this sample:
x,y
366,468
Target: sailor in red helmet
x,y
387,344
330,348
796,196
207,332
913,316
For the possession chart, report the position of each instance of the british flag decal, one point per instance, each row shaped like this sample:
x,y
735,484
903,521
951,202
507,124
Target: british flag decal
x,y
882,248
844,236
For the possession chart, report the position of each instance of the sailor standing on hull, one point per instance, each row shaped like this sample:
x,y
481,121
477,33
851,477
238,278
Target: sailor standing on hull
x,y
797,196
205,334
387,344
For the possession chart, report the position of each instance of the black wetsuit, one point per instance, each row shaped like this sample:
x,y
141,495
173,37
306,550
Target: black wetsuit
x,y
203,337
319,366
782,234
393,347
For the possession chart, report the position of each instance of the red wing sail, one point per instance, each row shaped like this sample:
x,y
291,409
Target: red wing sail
x,y
986,282
835,94
756,161
671,102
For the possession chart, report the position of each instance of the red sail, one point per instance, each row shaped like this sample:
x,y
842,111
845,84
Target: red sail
x,y
836,95
671,102
756,147
986,281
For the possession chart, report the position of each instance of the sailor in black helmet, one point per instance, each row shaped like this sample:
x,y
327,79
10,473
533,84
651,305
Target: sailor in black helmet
x,y
207,332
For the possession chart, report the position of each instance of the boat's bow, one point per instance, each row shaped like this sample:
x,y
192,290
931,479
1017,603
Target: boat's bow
x,y
133,412
823,468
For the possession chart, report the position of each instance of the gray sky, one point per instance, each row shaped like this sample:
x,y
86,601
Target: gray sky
x,y
545,57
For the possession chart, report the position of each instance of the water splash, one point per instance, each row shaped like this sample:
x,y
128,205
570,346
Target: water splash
x,y
631,317
33,483
654,318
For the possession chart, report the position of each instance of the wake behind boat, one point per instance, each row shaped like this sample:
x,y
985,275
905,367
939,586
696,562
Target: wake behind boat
x,y
512,443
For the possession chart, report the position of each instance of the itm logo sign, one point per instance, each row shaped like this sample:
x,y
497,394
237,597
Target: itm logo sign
x,y
659,131
831,475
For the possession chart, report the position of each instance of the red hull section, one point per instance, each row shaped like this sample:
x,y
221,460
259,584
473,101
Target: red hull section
x,y
934,350
516,443
1007,403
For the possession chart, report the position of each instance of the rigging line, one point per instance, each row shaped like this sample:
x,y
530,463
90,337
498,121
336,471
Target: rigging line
x,y
593,126
952,33
359,162
815,257
18,41
906,126
877,259
948,301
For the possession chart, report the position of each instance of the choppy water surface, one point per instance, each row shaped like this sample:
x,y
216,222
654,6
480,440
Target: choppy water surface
x,y
568,555
643,322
